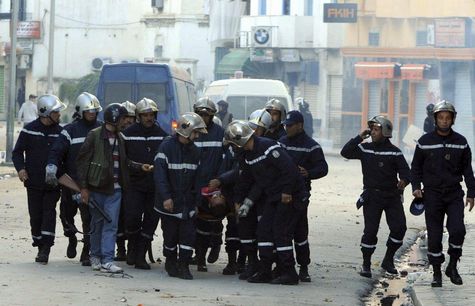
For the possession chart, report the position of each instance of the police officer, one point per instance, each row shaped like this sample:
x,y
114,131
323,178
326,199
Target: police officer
x,y
208,232
176,198
381,162
64,151
308,156
429,122
142,140
30,159
278,112
441,159
273,173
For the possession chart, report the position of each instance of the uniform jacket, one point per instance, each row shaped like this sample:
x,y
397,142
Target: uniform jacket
x,y
276,134
141,146
176,166
31,151
306,153
272,172
380,162
95,167
440,162
66,148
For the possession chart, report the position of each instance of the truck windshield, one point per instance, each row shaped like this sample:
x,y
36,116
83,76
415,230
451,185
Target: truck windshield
x,y
156,92
242,106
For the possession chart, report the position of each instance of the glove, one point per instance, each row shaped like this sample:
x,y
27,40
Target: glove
x,y
50,177
245,207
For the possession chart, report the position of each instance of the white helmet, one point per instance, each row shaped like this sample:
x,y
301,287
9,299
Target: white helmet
x,y
130,107
48,104
384,123
261,118
275,104
217,121
205,105
238,133
87,102
189,122
146,106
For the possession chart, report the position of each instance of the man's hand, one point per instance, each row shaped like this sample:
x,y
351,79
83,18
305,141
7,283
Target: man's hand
x,y
303,171
214,184
286,198
147,168
50,175
23,175
245,207
417,193
365,134
469,202
168,205
85,195
401,185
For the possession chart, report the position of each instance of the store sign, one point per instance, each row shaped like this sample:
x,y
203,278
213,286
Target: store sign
x,y
289,55
23,46
450,33
340,12
29,29
262,55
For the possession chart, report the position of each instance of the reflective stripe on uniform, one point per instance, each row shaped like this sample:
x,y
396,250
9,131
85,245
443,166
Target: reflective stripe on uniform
x,y
258,159
455,246
139,138
170,249
435,254
208,144
368,246
440,145
302,243
182,166
47,233
78,140
395,240
300,149
161,156
265,244
285,248
32,132
186,247
66,134
247,240
232,239
37,237
396,153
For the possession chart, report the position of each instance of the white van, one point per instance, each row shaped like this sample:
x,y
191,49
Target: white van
x,y
246,95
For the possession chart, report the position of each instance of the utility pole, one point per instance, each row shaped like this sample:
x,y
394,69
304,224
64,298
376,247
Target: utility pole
x,y
12,95
51,47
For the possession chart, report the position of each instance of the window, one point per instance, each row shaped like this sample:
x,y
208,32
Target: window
x,y
262,7
286,7
421,38
117,93
308,8
156,92
373,39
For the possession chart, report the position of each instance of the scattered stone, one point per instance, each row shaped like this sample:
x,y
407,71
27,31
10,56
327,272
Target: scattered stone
x,y
123,300
157,290
385,284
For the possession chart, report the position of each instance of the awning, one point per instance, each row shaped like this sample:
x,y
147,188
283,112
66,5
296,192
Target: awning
x,y
414,71
233,61
377,70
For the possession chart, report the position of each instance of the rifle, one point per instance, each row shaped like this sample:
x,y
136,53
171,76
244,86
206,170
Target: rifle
x,y
67,181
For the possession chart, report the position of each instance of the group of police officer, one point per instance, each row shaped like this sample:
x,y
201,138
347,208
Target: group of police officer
x,y
257,174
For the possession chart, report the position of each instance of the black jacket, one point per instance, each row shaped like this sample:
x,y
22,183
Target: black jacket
x,y
306,153
380,162
176,166
141,146
31,152
440,162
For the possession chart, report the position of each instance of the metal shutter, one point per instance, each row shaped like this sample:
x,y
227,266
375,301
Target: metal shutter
x,y
420,104
374,97
397,105
463,103
2,87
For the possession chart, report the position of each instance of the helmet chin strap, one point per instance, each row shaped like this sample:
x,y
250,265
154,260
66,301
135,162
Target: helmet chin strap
x,y
443,130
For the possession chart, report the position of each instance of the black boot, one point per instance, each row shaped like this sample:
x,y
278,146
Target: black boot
x,y
71,250
288,276
184,271
388,261
231,267
264,274
142,247
121,253
171,267
131,250
366,267
437,277
214,254
303,274
37,258
43,255
241,262
452,273
84,259
251,268
200,256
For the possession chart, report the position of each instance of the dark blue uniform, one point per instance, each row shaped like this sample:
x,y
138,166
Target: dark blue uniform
x,y
64,152
439,164
30,153
273,172
176,166
308,154
276,134
141,146
380,163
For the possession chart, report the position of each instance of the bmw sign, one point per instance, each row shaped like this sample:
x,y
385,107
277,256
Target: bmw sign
x,y
261,36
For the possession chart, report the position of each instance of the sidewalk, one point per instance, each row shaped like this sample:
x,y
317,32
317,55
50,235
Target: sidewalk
x,y
424,295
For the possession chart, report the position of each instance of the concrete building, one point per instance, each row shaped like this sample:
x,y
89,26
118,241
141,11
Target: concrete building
x,y
402,55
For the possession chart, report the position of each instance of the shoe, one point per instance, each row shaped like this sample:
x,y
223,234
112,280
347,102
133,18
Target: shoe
x,y
366,271
110,267
230,269
286,279
141,251
200,256
71,250
131,250
388,266
260,277
303,274
121,254
43,255
202,268
437,277
452,273
171,267
241,263
84,259
251,268
184,271
193,261
95,263
214,254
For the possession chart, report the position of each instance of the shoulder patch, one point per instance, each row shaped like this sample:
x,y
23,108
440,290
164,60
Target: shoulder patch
x,y
276,154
